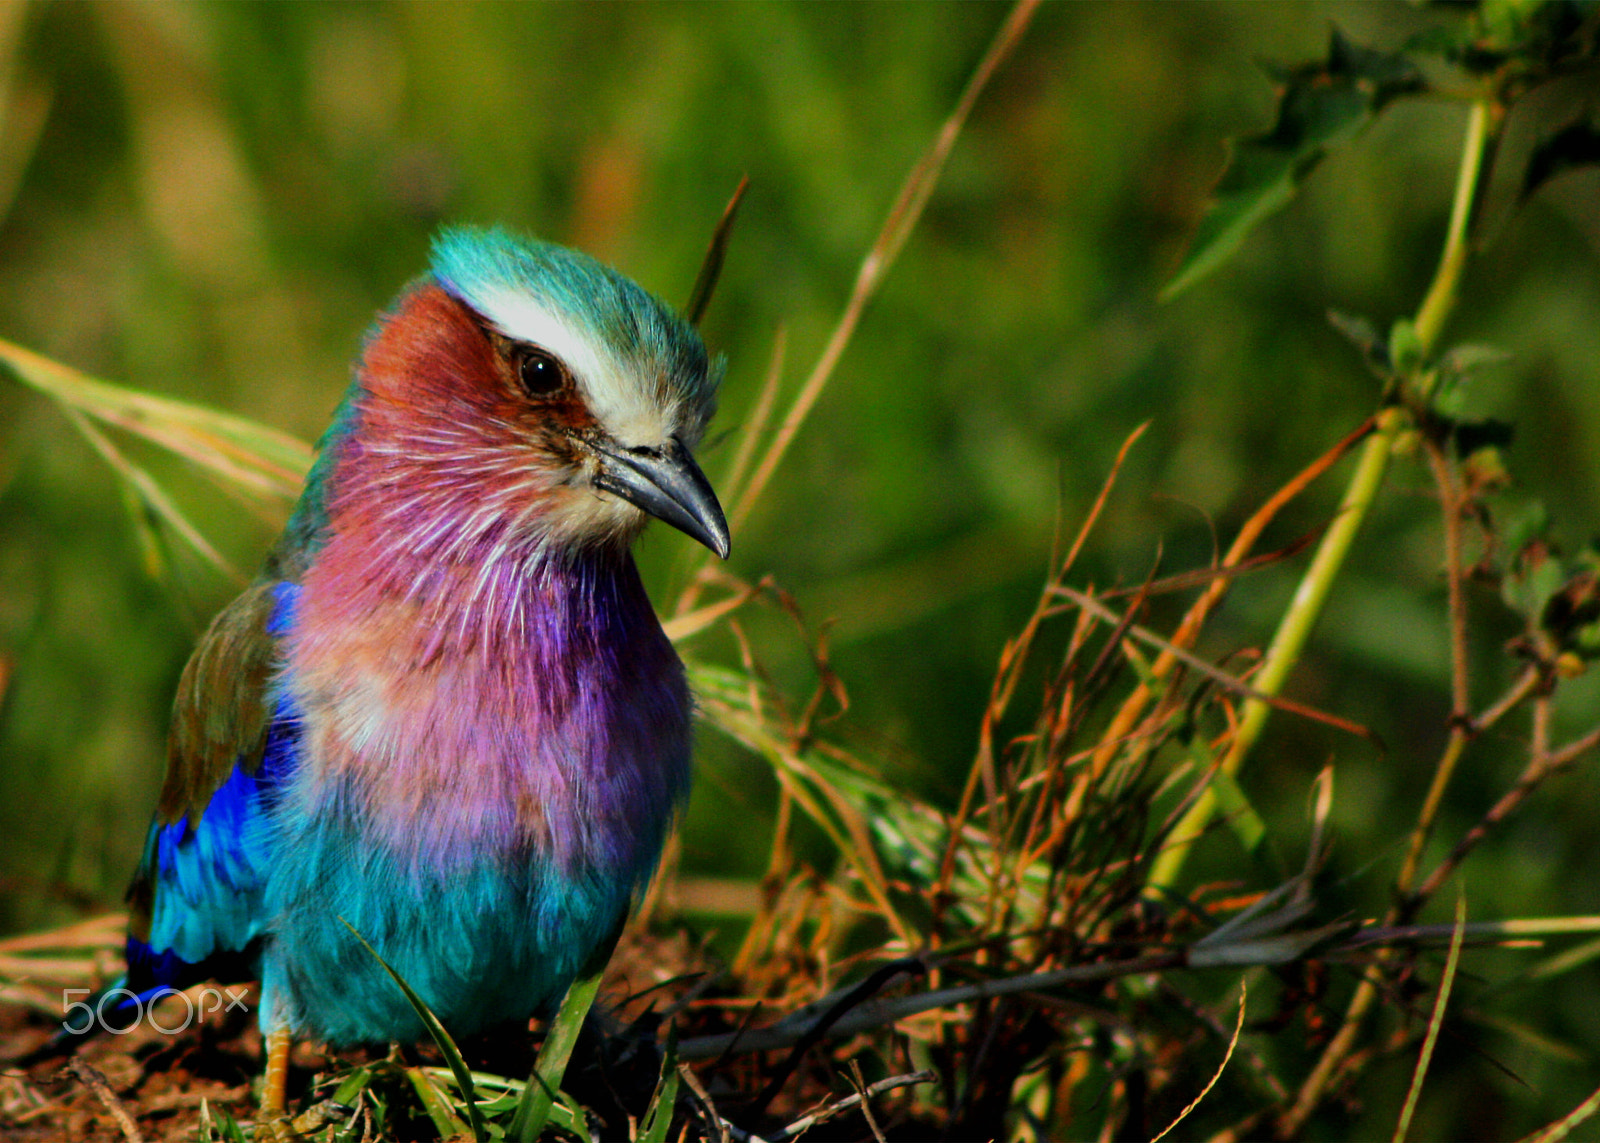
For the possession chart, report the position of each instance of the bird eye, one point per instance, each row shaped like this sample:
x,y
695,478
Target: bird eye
x,y
540,372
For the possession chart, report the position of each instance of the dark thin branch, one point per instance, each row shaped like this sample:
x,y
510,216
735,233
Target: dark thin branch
x,y
1461,732
1541,766
877,1013
860,1084
799,1126
718,1129
808,1039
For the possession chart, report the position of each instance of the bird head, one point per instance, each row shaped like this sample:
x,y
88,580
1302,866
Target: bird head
x,y
526,390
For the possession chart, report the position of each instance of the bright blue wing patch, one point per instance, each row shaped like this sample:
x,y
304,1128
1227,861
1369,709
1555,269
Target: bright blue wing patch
x,y
208,875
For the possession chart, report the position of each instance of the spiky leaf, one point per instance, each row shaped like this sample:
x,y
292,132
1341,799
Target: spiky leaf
x,y
1318,104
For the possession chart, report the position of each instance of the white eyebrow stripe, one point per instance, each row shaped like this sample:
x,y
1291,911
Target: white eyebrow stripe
x,y
615,398
520,317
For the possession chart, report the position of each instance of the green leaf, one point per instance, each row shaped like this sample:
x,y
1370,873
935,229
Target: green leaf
x,y
1464,359
1318,104
1529,592
1361,333
1453,370
1405,347
575,1120
1530,39
1501,23
217,1125
1524,525
351,1088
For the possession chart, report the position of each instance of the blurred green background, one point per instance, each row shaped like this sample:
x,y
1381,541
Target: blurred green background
x,y
213,200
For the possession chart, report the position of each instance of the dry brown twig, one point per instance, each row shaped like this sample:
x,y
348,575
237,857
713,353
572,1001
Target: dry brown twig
x,y
95,1082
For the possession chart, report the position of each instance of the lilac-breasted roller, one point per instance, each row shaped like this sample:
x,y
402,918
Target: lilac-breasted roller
x,y
445,711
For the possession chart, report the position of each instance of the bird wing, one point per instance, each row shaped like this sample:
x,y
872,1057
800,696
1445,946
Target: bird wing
x,y
196,899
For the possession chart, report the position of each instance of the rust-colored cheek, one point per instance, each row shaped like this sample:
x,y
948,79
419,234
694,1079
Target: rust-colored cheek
x,y
434,356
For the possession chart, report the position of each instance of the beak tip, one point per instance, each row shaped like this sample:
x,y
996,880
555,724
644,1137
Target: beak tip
x,y
667,484
710,527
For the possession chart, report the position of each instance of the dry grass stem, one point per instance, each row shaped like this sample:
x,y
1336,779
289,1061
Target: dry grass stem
x,y
897,227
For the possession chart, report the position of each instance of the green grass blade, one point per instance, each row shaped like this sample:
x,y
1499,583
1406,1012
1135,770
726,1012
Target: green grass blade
x,y
539,1097
217,1125
349,1092
568,1116
148,504
576,1122
352,1087
441,1037
1564,962
1564,1126
437,1105
1425,1057
658,1117
711,268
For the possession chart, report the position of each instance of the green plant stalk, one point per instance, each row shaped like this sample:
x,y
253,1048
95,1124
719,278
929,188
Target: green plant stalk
x,y
1441,295
1306,607
1293,631
436,1103
1436,304
1430,320
1563,1127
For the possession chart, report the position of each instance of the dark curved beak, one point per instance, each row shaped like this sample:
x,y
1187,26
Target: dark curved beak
x,y
668,484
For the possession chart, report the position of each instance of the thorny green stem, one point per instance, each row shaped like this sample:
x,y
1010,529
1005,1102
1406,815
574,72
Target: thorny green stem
x,y
1306,607
1429,323
1441,294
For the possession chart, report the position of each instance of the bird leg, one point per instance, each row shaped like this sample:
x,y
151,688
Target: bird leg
x,y
275,1092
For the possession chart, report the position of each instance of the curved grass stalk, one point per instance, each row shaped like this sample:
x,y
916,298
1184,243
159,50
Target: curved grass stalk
x,y
897,227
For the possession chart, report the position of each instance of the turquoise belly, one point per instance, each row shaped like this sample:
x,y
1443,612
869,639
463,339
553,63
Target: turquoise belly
x,y
498,940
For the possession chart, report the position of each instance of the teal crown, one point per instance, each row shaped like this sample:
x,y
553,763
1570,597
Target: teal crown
x,y
477,263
